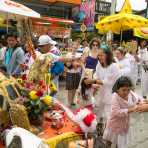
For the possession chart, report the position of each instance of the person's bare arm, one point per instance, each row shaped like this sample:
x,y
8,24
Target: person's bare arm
x,y
142,107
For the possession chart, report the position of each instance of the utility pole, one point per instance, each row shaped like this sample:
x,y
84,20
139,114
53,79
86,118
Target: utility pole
x,y
113,6
146,9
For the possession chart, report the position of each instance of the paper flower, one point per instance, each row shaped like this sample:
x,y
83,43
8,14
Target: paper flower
x,y
33,95
24,77
20,81
39,93
47,100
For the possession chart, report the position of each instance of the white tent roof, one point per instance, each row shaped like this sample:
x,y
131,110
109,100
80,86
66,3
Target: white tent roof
x,y
16,8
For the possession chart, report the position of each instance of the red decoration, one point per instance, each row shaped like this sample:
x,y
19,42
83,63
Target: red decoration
x,y
24,77
88,119
39,93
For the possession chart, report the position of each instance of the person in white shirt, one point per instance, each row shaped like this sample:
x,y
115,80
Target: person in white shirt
x,y
122,62
143,56
132,57
107,72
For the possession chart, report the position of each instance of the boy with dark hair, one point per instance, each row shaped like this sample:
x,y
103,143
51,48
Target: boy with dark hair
x,y
12,56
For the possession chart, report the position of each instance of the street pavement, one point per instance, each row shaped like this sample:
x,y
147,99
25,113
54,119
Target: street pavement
x,y
138,137
62,93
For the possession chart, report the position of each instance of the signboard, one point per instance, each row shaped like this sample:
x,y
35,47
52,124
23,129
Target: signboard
x,y
59,32
88,7
55,32
85,13
103,7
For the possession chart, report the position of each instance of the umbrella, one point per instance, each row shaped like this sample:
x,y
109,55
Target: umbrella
x,y
120,22
141,32
16,8
124,20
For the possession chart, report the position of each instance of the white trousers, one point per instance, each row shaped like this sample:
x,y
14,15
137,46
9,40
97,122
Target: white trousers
x,y
144,82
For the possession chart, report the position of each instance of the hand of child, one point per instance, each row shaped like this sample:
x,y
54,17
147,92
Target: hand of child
x,y
99,82
96,86
132,109
142,107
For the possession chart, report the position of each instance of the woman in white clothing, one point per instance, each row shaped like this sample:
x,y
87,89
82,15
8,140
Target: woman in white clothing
x,y
107,71
143,56
133,59
123,62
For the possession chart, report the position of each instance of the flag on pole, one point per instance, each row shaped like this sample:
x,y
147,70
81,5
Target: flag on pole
x,y
126,8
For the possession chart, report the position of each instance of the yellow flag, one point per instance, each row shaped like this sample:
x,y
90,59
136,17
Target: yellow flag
x,y
126,8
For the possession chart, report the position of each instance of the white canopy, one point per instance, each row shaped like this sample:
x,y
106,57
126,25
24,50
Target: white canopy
x,y
16,8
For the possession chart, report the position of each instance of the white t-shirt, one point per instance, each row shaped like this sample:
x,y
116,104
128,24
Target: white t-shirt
x,y
124,66
74,56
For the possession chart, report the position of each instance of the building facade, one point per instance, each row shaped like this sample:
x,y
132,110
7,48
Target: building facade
x,y
52,8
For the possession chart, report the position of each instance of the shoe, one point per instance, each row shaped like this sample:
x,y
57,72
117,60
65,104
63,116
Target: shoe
x,y
73,104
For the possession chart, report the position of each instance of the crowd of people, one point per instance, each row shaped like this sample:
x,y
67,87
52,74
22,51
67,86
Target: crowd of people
x,y
103,76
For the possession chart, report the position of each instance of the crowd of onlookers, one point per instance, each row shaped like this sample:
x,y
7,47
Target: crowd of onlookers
x,y
101,74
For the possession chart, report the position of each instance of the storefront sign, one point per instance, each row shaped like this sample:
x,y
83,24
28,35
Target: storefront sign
x,y
103,7
59,32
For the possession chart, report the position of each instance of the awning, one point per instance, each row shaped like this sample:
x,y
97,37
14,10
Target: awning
x,y
50,20
57,20
76,2
9,6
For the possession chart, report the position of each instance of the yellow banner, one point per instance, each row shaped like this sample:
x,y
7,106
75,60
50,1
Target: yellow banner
x,y
141,32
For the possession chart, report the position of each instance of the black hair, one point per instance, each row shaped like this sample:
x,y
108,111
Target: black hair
x,y
85,40
12,34
3,67
123,81
109,56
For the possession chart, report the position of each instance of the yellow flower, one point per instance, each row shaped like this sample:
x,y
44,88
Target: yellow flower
x,y
47,100
33,95
20,81
53,87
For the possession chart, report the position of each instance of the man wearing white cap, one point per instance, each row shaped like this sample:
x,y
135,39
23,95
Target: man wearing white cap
x,y
45,47
45,43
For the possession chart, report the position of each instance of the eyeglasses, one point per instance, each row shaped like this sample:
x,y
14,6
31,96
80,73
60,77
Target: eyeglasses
x,y
95,45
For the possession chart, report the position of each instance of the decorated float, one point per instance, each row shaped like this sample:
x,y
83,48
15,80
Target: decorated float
x,y
27,103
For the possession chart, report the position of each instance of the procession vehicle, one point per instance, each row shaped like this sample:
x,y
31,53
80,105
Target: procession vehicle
x,y
12,113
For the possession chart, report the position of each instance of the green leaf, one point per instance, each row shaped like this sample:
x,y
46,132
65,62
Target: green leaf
x,y
33,102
